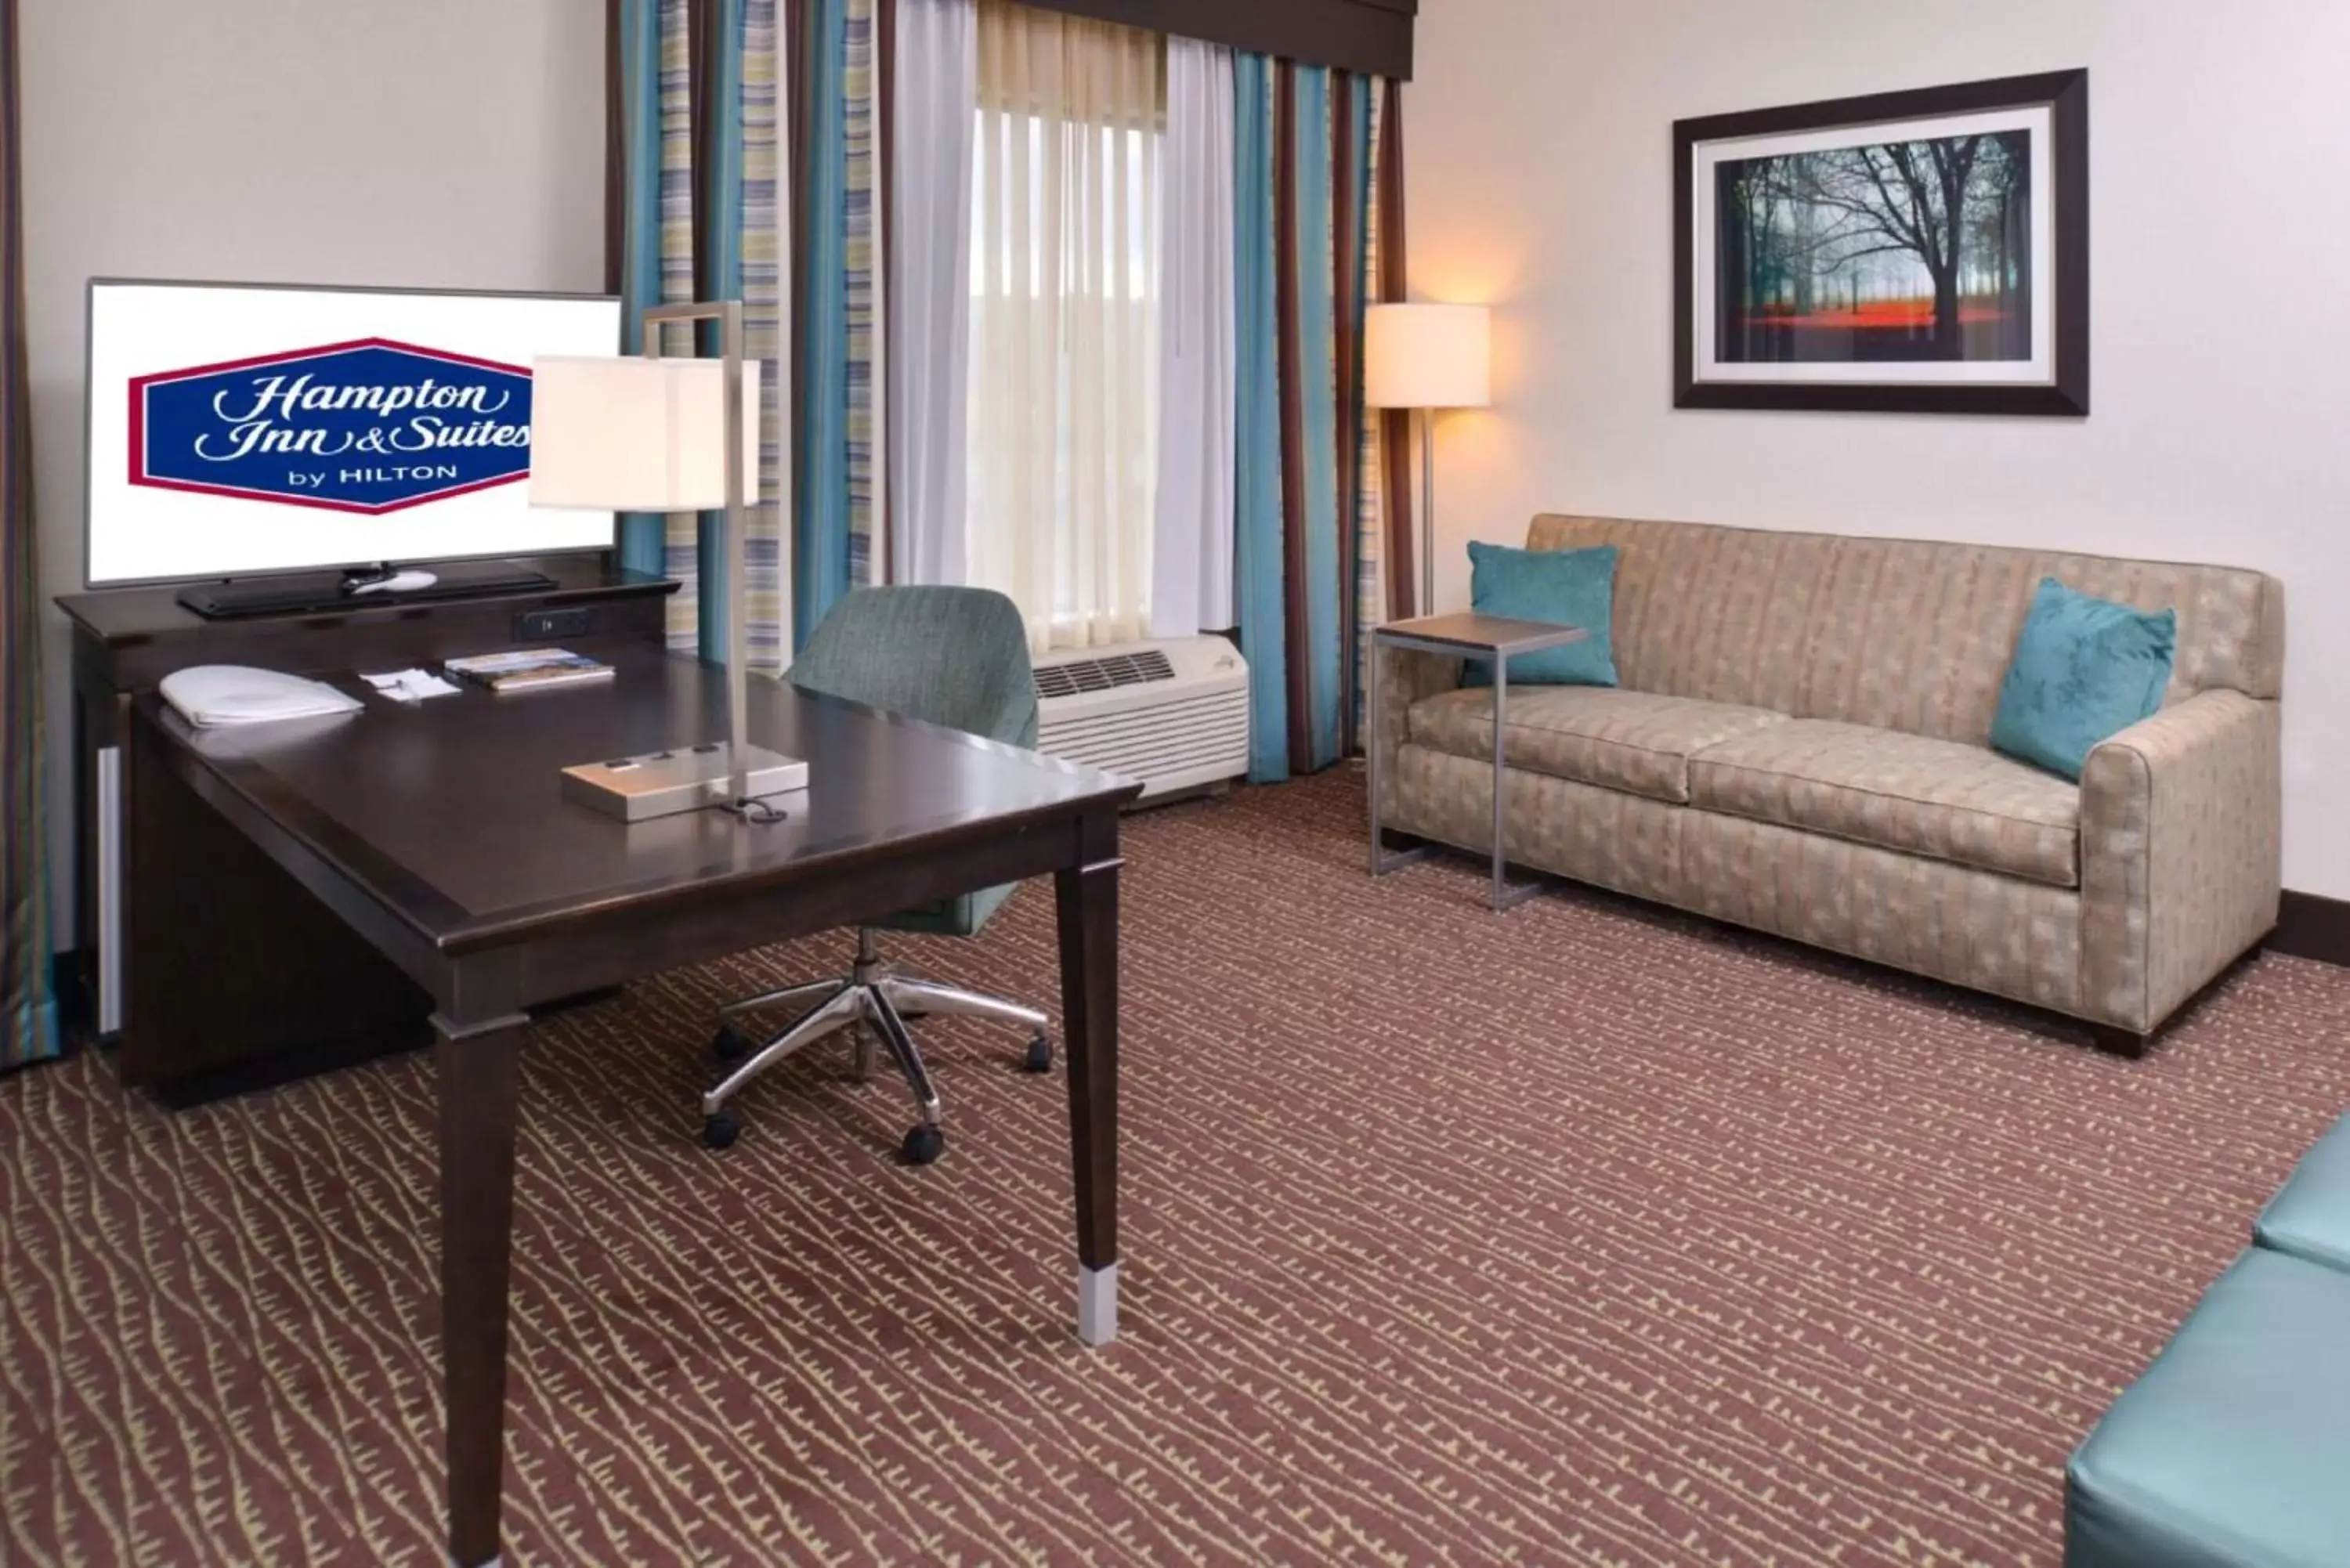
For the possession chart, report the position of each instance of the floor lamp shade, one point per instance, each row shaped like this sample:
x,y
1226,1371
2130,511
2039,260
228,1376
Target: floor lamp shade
x,y
636,435
1427,356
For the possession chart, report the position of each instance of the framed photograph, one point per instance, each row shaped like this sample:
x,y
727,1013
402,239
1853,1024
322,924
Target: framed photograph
x,y
1921,251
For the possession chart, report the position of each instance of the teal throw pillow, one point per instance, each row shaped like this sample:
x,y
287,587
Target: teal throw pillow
x,y
2085,669
1571,588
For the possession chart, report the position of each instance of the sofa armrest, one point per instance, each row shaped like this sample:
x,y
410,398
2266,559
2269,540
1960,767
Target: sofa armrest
x,y
2180,835
1407,676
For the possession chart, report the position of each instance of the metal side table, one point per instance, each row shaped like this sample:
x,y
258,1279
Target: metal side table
x,y
1496,641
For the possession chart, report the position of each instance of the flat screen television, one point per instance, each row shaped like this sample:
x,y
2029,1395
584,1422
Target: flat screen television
x,y
244,429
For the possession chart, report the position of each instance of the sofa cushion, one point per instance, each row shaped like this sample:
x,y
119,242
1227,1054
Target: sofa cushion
x,y
1941,799
2085,669
1568,588
2310,1215
1630,740
2233,1446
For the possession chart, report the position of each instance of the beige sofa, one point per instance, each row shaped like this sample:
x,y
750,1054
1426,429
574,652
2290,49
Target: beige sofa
x,y
1798,745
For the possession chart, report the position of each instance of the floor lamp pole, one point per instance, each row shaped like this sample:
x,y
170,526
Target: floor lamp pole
x,y
1427,510
738,598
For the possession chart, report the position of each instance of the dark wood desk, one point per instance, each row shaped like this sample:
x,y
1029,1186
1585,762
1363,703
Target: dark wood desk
x,y
127,639
437,839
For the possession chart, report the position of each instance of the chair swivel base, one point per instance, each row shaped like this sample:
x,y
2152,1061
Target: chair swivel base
x,y
875,997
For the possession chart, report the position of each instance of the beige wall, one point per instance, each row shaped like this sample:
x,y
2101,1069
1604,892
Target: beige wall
x,y
428,143
1540,180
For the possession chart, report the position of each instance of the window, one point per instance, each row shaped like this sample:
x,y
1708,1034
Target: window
x,y
1064,380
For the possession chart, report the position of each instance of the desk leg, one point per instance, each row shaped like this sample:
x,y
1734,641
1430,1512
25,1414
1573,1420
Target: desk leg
x,y
478,1071
1087,897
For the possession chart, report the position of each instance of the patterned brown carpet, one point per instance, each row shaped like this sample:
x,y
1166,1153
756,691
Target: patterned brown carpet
x,y
1582,1234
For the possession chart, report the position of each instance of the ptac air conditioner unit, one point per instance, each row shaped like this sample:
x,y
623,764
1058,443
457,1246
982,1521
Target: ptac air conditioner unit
x,y
1173,714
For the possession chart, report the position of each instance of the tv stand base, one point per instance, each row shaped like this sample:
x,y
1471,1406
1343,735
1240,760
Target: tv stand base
x,y
358,588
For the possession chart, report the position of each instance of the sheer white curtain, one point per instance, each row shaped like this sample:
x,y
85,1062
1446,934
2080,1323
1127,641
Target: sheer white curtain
x,y
1064,375
930,287
1191,569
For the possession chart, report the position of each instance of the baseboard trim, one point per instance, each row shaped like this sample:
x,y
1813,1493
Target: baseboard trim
x,y
2311,925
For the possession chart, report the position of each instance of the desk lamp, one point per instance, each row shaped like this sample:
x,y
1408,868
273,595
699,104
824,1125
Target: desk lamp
x,y
1425,358
655,434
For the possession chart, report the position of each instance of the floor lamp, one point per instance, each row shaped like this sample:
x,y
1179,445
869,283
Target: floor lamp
x,y
655,434
1425,357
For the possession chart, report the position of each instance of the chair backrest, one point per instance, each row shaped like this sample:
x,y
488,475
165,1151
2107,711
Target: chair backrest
x,y
953,656
1902,634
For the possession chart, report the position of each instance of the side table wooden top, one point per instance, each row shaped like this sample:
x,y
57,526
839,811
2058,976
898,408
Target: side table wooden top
x,y
1472,633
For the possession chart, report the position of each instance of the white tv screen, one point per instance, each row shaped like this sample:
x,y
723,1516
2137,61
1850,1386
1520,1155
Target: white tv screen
x,y
242,430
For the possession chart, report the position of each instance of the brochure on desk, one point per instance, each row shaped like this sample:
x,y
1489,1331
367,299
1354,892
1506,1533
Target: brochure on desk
x,y
529,668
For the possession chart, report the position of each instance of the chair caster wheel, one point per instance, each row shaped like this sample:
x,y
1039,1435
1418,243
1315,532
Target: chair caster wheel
x,y
719,1129
924,1143
730,1043
1040,1054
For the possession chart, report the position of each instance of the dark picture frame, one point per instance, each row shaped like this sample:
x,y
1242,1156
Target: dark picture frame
x,y
2060,390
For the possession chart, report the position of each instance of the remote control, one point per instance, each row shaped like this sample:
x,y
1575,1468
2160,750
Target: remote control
x,y
398,583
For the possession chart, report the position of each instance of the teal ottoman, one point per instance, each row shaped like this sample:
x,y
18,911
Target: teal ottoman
x,y
2310,1215
2234,1448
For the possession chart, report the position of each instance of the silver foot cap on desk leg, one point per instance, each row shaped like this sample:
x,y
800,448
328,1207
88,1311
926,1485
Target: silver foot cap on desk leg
x,y
1098,1304
493,1563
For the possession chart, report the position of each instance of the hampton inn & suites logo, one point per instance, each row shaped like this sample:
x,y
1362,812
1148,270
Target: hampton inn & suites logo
x,y
367,426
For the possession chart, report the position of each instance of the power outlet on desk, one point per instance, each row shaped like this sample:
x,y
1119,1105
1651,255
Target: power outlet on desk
x,y
539,624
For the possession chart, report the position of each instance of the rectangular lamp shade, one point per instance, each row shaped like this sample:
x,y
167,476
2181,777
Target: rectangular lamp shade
x,y
636,434
1427,356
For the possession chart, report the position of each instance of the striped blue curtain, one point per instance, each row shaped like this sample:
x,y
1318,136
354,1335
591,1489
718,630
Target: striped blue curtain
x,y
861,111
1258,576
756,270
1385,583
28,1009
1303,148
717,188
746,168
655,42
837,497
821,568
633,270
739,252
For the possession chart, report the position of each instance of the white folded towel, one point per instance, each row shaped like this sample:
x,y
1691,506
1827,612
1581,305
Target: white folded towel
x,y
210,694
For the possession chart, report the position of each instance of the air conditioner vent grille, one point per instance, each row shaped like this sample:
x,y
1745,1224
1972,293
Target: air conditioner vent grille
x,y
1172,715
1082,675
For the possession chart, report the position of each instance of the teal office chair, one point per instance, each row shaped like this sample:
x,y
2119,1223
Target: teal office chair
x,y
953,656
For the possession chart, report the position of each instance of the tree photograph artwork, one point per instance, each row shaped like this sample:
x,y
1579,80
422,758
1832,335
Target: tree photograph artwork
x,y
1891,251
1925,251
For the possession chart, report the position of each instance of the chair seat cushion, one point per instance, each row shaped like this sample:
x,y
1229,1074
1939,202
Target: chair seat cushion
x,y
1630,740
1942,799
2234,1447
2310,1215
